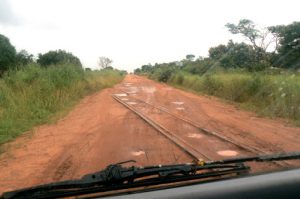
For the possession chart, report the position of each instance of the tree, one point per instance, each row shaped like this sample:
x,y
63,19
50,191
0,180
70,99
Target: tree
x,y
237,55
137,71
104,62
147,68
247,28
24,58
289,48
190,57
261,39
216,53
58,57
7,54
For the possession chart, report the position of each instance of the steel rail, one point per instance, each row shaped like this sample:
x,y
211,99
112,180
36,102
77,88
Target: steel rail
x,y
248,148
182,144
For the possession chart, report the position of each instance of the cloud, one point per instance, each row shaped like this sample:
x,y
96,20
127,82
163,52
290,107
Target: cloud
x,y
7,16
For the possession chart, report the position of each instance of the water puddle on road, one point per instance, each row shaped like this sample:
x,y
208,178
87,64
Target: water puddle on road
x,y
138,153
120,94
195,135
132,92
148,89
178,103
127,84
131,103
227,153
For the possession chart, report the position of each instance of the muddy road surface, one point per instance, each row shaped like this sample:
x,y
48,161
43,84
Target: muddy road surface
x,y
149,122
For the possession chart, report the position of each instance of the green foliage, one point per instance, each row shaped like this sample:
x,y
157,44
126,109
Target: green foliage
x,y
273,95
123,72
289,49
23,58
243,73
247,28
217,53
137,71
58,57
7,54
165,74
190,57
105,62
200,66
32,95
239,55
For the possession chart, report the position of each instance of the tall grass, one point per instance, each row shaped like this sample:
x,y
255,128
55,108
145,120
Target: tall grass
x,y
32,95
273,95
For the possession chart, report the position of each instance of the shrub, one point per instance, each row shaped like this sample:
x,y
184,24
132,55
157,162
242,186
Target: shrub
x,y
33,94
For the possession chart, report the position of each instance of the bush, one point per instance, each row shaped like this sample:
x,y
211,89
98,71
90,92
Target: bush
x,y
7,54
32,95
58,57
274,95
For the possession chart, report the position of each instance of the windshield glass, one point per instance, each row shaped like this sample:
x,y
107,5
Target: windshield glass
x,y
86,84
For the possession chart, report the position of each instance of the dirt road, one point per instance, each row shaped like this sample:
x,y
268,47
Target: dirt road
x,y
101,130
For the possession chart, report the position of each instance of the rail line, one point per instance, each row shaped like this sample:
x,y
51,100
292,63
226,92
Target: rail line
x,y
194,150
204,130
185,146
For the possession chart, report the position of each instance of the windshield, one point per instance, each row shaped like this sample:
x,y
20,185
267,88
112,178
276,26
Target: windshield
x,y
86,84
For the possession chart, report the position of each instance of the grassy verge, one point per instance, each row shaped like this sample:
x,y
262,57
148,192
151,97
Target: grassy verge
x,y
272,95
33,95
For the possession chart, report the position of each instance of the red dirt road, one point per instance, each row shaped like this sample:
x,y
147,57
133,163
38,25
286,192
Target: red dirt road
x,y
100,131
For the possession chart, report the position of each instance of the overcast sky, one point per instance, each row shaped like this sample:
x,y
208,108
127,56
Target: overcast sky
x,y
133,32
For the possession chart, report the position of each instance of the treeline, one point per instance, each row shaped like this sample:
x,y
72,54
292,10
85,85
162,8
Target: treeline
x,y
262,75
35,91
270,47
11,59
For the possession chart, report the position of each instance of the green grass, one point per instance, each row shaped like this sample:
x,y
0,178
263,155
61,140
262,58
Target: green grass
x,y
34,95
272,95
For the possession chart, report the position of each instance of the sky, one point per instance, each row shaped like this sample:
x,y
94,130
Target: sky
x,y
134,32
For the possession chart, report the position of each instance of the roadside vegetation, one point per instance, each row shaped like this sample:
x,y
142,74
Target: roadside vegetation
x,y
262,75
36,92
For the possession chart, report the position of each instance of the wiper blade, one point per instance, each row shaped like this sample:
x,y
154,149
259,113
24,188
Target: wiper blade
x,y
117,177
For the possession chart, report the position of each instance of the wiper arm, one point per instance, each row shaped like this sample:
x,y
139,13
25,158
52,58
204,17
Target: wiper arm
x,y
117,177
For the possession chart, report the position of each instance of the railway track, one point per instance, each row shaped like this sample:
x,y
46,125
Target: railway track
x,y
204,130
194,149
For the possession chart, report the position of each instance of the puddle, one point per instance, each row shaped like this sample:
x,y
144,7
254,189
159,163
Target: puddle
x,y
149,89
132,103
127,84
124,99
120,94
178,103
180,108
131,92
132,89
138,153
195,135
227,153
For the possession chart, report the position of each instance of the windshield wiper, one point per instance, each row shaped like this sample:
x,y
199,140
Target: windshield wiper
x,y
118,177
